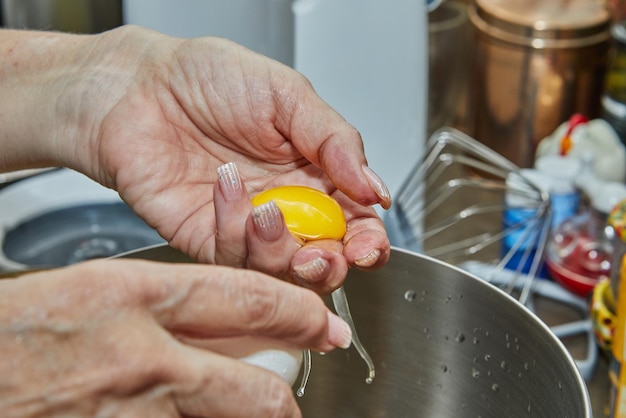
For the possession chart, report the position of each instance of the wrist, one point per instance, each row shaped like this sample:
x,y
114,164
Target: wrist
x,y
30,79
55,91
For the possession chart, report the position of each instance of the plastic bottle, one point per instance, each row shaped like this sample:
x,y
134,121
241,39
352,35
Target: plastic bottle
x,y
580,251
523,219
560,174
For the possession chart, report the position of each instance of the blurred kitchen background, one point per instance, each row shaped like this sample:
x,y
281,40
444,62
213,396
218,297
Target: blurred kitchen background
x,y
538,84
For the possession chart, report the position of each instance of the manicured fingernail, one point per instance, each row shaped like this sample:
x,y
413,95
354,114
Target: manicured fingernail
x,y
230,181
268,220
369,259
379,186
312,271
339,333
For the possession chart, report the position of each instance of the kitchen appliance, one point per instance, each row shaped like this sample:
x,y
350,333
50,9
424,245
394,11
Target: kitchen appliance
x,y
366,58
445,343
61,217
535,64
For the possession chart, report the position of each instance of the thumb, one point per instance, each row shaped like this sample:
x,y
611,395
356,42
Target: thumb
x,y
327,140
218,386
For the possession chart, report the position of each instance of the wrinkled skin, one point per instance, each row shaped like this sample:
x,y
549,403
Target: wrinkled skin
x,y
122,355
171,116
154,117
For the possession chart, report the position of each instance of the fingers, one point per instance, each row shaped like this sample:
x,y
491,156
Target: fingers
x,y
366,244
153,407
261,241
232,207
117,319
270,244
255,238
191,382
320,266
328,141
222,387
317,265
216,301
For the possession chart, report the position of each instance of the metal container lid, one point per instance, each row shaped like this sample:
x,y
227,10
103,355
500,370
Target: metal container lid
x,y
543,24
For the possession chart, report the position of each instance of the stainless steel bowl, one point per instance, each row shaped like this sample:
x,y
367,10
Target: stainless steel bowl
x,y
445,344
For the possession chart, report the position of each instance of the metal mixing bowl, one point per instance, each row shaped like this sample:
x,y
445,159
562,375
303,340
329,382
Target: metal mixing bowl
x,y
445,344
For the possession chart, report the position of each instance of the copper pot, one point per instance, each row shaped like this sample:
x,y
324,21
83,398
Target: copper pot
x,y
535,64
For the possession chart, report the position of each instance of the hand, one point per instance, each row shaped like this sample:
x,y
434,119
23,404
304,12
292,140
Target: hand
x,y
264,243
217,102
154,117
115,340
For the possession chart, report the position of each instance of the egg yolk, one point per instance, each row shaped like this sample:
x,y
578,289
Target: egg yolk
x,y
309,213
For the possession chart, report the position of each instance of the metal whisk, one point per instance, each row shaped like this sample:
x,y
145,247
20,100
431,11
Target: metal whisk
x,y
452,207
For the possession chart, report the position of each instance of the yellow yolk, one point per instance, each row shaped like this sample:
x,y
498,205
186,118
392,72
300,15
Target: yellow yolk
x,y
309,213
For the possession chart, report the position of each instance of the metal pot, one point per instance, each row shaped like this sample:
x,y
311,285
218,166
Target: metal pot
x,y
444,343
535,64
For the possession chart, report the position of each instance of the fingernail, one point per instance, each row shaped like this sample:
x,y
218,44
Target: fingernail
x,y
312,271
379,186
268,220
230,181
339,333
369,259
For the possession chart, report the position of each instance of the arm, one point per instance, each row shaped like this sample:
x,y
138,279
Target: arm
x,y
41,117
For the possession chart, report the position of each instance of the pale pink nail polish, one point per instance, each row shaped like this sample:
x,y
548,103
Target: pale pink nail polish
x,y
230,181
339,333
268,220
379,186
312,271
369,259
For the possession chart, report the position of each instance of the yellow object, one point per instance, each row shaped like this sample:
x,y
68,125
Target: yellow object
x,y
603,314
617,369
309,213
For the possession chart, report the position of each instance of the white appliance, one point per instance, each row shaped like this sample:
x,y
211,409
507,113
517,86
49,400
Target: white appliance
x,y
367,58
60,217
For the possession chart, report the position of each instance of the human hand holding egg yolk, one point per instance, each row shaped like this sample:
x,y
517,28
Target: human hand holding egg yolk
x,y
309,213
313,215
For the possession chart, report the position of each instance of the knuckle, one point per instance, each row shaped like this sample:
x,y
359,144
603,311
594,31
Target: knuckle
x,y
268,304
316,320
259,304
312,313
118,282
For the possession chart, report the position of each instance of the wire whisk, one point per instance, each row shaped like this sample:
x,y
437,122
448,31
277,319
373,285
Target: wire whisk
x,y
456,205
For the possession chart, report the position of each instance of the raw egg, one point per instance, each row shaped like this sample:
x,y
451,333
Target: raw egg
x,y
309,213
